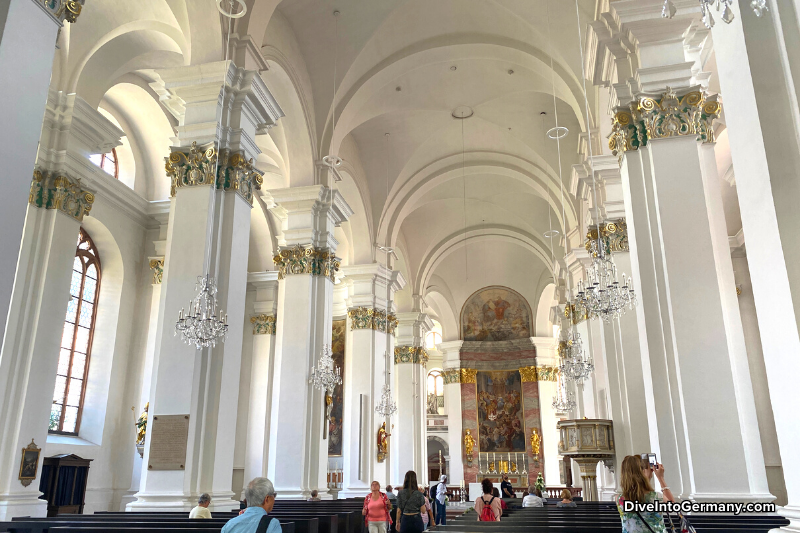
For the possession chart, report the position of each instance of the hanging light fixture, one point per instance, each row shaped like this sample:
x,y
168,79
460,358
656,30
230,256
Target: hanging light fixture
x,y
668,10
387,407
203,325
602,296
331,160
325,376
563,401
575,364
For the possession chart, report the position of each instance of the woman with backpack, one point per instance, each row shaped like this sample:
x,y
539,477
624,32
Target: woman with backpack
x,y
487,505
410,505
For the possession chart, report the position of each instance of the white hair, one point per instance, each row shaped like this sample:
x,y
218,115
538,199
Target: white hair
x,y
257,491
204,498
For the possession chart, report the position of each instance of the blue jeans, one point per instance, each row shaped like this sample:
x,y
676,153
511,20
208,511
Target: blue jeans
x,y
441,513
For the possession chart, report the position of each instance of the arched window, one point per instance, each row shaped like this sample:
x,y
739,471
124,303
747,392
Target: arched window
x,y
432,339
76,341
435,393
107,162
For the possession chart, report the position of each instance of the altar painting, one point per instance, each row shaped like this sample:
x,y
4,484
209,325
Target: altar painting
x,y
495,314
336,418
501,425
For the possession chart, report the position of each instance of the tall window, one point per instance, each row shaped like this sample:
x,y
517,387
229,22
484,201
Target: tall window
x,y
76,341
107,162
435,392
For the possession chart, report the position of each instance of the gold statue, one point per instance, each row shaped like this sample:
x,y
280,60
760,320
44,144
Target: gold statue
x,y
383,442
141,425
535,442
469,443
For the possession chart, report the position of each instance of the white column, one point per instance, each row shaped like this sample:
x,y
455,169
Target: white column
x,y
408,447
298,456
365,373
451,363
547,355
763,139
261,373
208,233
31,349
27,47
702,351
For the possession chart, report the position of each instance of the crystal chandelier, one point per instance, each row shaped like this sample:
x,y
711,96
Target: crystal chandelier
x,y
564,401
758,7
575,364
324,376
387,407
201,325
602,296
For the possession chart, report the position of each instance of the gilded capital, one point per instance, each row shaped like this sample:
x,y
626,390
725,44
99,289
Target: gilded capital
x,y
306,260
452,375
613,236
263,324
538,373
662,116
469,375
576,312
367,318
391,324
64,10
198,166
410,354
55,190
157,266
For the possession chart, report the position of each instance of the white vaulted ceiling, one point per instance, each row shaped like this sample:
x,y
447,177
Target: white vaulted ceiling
x,y
402,67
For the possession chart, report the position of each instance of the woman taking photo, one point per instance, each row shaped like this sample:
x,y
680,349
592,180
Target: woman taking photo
x,y
376,509
636,486
410,503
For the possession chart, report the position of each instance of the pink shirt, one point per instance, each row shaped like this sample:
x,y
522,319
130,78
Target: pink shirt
x,y
496,506
376,510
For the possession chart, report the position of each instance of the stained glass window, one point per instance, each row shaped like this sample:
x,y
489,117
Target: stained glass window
x,y
76,340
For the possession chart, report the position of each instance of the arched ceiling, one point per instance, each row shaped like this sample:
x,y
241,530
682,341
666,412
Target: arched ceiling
x,y
438,189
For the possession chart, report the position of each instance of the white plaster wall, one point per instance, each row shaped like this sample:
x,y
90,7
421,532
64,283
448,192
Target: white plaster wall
x,y
107,430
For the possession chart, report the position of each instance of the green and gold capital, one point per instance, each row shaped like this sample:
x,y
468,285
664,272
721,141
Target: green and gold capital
x,y
56,190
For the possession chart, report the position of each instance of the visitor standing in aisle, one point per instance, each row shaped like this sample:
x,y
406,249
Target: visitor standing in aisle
x,y
376,510
410,502
441,501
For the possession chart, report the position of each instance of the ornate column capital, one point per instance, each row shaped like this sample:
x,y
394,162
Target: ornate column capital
x,y
410,354
688,112
371,318
157,266
469,375
263,324
575,312
198,166
613,235
56,190
538,373
451,375
64,10
306,259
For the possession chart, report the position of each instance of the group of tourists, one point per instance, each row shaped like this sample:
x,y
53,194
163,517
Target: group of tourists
x,y
411,510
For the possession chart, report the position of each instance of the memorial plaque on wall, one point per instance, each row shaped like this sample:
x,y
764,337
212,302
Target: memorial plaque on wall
x,y
168,435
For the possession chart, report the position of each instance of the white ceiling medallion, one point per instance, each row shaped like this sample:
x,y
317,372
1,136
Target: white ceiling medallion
x,y
462,112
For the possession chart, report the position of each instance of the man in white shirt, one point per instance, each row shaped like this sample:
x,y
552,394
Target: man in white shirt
x,y
441,500
201,511
534,498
